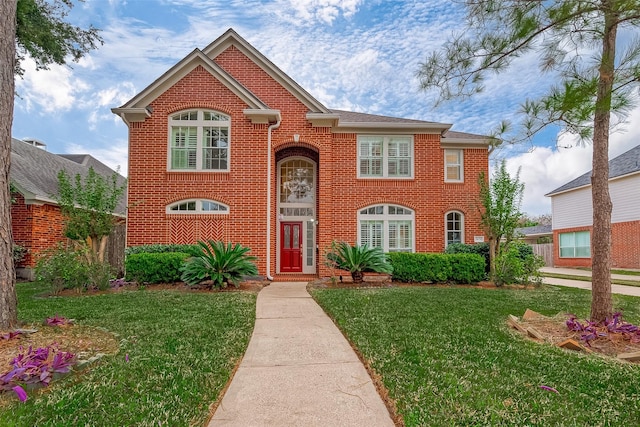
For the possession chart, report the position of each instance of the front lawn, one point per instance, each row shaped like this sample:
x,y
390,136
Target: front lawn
x,y
447,357
181,347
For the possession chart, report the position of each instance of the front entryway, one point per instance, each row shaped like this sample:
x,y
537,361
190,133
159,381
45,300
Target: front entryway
x,y
291,247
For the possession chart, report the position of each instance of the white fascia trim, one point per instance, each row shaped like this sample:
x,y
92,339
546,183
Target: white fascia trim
x,y
463,143
136,114
262,116
323,119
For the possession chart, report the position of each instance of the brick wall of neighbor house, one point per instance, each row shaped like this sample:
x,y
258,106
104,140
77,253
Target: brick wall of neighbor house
x,y
35,227
340,193
625,246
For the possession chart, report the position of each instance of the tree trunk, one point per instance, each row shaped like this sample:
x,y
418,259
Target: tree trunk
x,y
601,305
493,253
8,300
357,276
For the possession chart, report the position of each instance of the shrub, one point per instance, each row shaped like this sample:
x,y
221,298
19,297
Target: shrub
x,y
437,268
163,267
517,264
63,268
358,259
192,250
19,252
221,263
481,249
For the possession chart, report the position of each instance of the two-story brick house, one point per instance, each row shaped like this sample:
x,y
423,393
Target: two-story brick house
x,y
224,145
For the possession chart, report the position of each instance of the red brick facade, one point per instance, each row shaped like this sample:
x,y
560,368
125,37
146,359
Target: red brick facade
x,y
625,246
339,194
36,228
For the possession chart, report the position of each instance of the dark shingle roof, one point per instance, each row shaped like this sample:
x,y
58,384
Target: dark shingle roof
x,y
535,230
353,117
624,164
35,171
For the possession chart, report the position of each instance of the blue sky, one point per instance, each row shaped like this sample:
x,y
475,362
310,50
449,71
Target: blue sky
x,y
349,54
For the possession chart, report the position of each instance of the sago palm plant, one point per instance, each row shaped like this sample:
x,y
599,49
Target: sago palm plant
x,y
358,259
221,263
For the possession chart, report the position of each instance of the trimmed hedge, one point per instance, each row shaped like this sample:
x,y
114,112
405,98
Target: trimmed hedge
x,y
162,267
193,250
476,248
437,268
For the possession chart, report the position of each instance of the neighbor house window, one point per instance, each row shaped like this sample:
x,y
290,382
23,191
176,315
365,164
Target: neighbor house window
x,y
454,227
453,170
385,157
197,207
575,245
388,227
199,141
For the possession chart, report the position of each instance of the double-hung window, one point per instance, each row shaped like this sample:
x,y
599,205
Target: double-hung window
x,y
575,245
388,227
453,166
385,156
199,141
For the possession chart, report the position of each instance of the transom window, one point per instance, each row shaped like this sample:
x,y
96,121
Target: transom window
x,y
575,245
385,156
297,182
198,206
199,141
389,227
453,166
454,222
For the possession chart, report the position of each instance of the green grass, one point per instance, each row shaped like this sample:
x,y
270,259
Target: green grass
x,y
447,357
588,279
616,271
182,349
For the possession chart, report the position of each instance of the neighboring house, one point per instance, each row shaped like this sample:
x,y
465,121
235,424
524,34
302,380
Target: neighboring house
x,y
36,220
535,234
226,146
572,212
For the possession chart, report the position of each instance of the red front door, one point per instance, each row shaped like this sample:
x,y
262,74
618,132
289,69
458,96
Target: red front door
x,y
291,247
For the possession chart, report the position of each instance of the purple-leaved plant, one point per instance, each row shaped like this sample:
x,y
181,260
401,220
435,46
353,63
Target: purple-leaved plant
x,y
35,368
614,325
57,320
11,335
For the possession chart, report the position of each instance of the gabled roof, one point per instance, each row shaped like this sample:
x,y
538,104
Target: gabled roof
x,y
137,109
34,172
625,164
231,38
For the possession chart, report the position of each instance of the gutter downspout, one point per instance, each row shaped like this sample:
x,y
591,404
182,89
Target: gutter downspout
x,y
271,128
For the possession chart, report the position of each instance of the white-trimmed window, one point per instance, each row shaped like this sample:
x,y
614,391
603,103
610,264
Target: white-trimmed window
x,y
575,244
453,166
389,227
385,156
197,206
454,223
199,141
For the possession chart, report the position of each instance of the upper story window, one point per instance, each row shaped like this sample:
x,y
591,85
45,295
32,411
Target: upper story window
x,y
198,207
453,166
389,227
575,244
385,156
454,222
199,141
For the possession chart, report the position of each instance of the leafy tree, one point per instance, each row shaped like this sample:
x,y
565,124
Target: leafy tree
x,y
576,41
358,259
500,211
88,205
40,31
220,263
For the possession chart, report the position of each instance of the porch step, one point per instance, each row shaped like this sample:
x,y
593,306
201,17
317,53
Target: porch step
x,y
294,277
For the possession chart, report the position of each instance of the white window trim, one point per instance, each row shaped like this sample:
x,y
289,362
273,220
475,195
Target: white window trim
x,y
460,165
446,227
199,124
574,245
385,217
198,210
385,158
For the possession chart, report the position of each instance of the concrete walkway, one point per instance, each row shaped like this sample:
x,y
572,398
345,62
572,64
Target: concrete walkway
x,y
299,370
616,289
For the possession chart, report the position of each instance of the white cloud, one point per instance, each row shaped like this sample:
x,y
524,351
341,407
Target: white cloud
x,y
304,12
544,169
53,90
